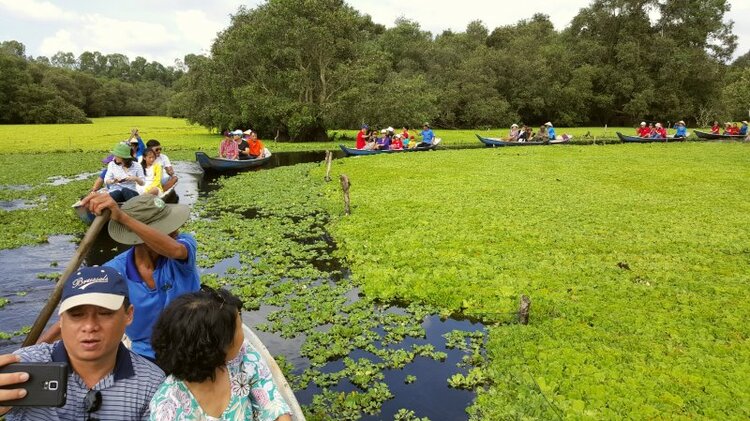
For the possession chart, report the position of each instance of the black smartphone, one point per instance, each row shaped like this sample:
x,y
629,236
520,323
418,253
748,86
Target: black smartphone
x,y
47,384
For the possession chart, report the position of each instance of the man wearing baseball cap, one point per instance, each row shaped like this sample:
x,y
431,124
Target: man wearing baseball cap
x,y
159,267
105,380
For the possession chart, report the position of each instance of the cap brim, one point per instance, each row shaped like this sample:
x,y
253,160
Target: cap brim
x,y
176,216
108,301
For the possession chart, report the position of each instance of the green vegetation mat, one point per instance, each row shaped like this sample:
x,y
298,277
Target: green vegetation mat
x,y
635,258
181,139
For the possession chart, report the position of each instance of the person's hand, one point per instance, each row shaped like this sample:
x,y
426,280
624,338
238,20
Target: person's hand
x,y
97,202
10,379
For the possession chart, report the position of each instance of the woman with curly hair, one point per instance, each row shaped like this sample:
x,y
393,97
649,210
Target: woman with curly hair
x,y
213,374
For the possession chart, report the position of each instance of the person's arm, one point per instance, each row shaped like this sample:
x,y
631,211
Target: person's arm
x,y
11,379
109,178
54,333
139,176
159,242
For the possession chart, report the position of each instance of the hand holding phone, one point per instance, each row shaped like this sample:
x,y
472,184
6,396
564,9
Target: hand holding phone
x,y
46,384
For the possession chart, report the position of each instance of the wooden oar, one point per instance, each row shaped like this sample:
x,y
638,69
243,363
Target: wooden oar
x,y
72,266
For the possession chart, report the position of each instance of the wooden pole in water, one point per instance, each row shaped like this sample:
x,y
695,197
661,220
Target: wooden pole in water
x,y
523,310
73,265
329,160
345,186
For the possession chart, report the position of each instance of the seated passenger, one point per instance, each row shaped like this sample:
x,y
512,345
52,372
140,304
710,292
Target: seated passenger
x,y
397,144
743,129
361,137
254,145
715,129
681,130
228,147
643,131
659,132
735,129
541,135
212,372
168,179
514,132
152,171
123,174
525,134
383,142
550,131
106,380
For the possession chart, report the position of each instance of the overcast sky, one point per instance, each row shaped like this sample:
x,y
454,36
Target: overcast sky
x,y
165,30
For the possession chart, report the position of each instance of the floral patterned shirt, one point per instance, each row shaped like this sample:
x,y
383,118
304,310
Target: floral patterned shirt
x,y
254,395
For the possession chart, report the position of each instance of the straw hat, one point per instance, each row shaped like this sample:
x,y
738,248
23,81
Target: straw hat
x,y
548,124
153,212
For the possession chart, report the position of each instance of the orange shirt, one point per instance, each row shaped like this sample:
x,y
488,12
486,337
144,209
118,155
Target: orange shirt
x,y
256,147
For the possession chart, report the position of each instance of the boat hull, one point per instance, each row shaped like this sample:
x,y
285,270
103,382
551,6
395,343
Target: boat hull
x,y
363,152
713,136
220,164
490,142
636,139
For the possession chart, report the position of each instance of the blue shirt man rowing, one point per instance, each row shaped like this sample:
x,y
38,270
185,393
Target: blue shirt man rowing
x,y
427,136
159,267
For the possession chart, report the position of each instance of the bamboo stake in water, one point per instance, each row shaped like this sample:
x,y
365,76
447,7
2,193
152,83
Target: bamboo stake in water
x,y
73,265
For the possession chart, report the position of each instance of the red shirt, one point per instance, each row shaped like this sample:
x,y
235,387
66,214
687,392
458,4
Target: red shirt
x,y
715,129
397,144
662,132
644,131
360,139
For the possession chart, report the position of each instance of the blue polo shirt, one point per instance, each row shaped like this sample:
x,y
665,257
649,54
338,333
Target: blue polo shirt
x,y
551,133
172,278
126,391
427,135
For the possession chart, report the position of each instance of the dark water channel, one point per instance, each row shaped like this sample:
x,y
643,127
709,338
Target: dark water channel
x,y
26,286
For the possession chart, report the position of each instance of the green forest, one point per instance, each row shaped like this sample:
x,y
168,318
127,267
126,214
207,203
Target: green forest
x,y
293,69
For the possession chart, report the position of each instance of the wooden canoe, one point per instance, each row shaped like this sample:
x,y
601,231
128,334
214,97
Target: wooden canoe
x,y
492,142
712,136
278,376
169,196
637,139
361,152
221,164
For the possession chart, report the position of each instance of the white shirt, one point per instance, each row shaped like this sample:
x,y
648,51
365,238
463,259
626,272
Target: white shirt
x,y
117,172
164,161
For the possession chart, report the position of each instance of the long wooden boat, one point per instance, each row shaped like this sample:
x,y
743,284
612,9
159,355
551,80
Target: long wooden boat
x,y
492,142
278,376
637,139
361,152
169,196
713,136
221,164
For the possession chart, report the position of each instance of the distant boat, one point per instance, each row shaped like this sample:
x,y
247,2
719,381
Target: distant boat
x,y
492,142
713,136
360,152
636,139
221,164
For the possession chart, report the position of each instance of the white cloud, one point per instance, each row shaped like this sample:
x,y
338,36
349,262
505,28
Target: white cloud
x,y
61,41
36,10
197,27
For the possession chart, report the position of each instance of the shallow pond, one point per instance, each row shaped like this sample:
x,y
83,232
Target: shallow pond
x,y
420,386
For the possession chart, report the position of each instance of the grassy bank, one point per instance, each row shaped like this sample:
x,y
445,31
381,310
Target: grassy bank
x,y
635,258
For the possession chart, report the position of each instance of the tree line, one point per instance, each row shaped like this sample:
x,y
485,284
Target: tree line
x,y
69,89
298,68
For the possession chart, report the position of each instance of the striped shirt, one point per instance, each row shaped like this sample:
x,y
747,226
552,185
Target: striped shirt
x,y
126,392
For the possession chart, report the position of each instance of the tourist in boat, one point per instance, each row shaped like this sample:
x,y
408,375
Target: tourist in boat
x,y
735,129
524,134
141,149
384,141
643,131
514,132
362,137
123,174
134,151
659,132
743,130
254,145
372,140
541,135
228,147
428,136
715,128
212,372
727,128
397,144
681,130
405,137
105,379
168,179
652,130
550,131
152,171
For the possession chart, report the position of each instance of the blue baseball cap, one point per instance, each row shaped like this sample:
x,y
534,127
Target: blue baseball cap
x,y
99,286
